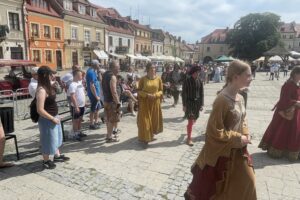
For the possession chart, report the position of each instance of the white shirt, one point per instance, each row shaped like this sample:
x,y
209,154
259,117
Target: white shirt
x,y
77,89
32,87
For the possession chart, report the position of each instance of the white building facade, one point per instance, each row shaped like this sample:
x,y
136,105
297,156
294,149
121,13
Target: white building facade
x,y
13,45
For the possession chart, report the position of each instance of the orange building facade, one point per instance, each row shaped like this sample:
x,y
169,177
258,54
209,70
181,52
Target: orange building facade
x,y
45,34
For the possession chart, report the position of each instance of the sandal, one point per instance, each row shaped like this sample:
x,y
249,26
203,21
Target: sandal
x,y
111,140
116,132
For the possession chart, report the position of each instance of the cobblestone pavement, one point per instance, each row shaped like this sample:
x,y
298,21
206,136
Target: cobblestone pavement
x,y
127,170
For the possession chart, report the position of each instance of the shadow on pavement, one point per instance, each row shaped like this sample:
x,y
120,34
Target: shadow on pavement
x,y
262,160
174,120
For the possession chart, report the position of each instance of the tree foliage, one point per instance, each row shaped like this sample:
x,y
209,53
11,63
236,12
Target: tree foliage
x,y
254,34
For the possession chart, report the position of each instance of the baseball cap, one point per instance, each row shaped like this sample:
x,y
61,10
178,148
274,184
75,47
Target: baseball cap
x,y
95,62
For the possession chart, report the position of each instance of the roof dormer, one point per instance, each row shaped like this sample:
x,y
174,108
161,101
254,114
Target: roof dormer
x,y
81,9
68,5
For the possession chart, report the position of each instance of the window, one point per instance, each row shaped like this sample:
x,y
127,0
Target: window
x,y
87,35
141,47
153,49
161,49
40,3
291,36
137,47
57,33
16,53
48,55
299,44
120,42
68,5
35,30
81,9
98,36
157,48
14,23
74,58
284,36
36,55
47,31
221,49
208,49
1,52
128,43
93,13
143,34
110,41
74,34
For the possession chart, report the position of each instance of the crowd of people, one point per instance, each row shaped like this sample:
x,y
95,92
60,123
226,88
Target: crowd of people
x,y
223,166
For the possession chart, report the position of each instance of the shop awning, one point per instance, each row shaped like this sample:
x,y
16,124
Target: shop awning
x,y
101,54
140,57
179,60
131,56
117,55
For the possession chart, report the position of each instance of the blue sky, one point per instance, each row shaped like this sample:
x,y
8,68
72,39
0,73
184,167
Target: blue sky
x,y
193,19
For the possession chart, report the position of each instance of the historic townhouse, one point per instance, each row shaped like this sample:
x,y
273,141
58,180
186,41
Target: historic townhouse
x,y
12,42
158,38
119,37
290,36
142,38
83,31
45,34
213,45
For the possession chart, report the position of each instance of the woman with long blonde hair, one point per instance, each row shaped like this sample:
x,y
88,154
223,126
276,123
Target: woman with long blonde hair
x,y
224,170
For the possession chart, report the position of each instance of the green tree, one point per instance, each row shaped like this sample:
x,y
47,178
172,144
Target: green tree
x,y
254,34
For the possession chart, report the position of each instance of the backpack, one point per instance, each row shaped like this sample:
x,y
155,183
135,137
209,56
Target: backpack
x,y
34,115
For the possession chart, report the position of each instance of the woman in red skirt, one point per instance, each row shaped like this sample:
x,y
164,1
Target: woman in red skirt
x,y
282,137
224,170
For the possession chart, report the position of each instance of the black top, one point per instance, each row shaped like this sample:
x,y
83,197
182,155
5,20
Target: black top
x,y
50,105
192,90
106,86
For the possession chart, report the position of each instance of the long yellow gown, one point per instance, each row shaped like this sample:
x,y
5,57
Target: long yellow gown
x,y
149,119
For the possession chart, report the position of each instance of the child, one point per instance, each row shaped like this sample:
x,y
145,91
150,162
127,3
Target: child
x,y
77,94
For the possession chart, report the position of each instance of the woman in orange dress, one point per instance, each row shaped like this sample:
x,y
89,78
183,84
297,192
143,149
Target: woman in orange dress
x,y
224,170
149,119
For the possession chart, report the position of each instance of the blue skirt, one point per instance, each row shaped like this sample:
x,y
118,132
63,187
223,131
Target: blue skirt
x,y
51,136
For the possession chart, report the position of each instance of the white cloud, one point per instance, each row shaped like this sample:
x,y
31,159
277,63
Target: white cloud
x,y
193,19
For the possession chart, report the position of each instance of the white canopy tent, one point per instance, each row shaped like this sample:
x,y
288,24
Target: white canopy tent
x,y
101,54
295,54
275,59
117,55
141,57
261,59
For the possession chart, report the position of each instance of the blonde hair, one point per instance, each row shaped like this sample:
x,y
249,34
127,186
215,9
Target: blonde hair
x,y
236,67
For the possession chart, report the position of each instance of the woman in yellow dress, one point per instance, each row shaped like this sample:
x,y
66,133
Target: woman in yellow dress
x,y
149,119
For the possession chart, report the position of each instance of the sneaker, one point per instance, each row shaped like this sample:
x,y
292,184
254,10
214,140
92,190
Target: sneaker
x,y
81,134
77,138
61,158
49,164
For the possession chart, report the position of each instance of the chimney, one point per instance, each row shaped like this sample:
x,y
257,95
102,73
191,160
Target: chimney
x,y
148,26
128,18
136,21
179,38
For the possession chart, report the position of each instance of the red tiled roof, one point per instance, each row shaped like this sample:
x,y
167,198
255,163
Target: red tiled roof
x,y
287,28
217,36
88,17
50,11
119,30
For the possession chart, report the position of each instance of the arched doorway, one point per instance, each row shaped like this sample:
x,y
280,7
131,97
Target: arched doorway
x,y
207,59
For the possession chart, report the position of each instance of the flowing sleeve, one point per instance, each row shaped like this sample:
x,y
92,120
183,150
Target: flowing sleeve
x,y
286,97
216,129
159,93
141,92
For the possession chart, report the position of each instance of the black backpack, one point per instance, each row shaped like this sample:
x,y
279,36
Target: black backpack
x,y
34,115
